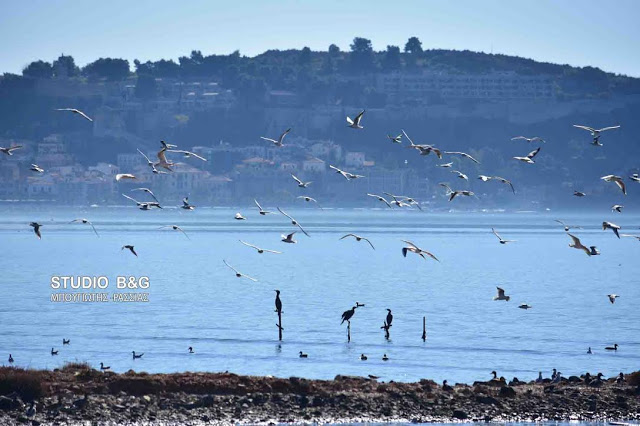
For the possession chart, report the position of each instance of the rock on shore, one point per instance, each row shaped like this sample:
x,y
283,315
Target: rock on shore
x,y
77,393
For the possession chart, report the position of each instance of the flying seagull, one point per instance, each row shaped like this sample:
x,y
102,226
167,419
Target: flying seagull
x,y
36,229
307,198
500,238
260,250
423,149
608,225
278,142
635,177
301,184
533,139
462,154
501,295
529,157
617,208
579,194
417,250
346,175
578,245
239,216
144,205
85,221
618,180
294,222
485,178
358,238
595,133
445,165
397,200
460,174
175,228
452,194
9,151
288,238
612,298
36,168
147,190
395,139
567,227
130,248
637,237
355,123
525,306
75,111
238,274
121,176
380,198
162,157
262,211
185,204
507,182
187,154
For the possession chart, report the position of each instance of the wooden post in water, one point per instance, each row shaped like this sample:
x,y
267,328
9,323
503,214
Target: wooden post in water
x,y
386,328
424,329
348,331
279,325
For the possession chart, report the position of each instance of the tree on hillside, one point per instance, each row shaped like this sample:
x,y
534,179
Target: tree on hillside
x,y
38,69
109,68
65,66
361,58
334,50
413,46
146,87
305,56
391,61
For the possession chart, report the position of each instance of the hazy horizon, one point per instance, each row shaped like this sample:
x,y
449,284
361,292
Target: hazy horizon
x,y
547,31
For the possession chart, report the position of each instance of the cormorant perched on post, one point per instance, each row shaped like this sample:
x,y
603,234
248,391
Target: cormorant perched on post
x,y
278,302
346,315
389,317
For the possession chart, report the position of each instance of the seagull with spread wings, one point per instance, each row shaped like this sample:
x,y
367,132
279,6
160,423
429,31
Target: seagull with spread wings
x,y
294,222
86,222
143,205
501,295
452,194
380,198
277,142
262,211
533,139
355,123
529,157
577,244
567,227
358,238
260,250
506,181
175,228
148,191
395,139
417,250
618,181
462,154
9,151
187,154
301,184
128,176
346,175
36,168
595,133
423,149
502,241
609,225
239,274
288,238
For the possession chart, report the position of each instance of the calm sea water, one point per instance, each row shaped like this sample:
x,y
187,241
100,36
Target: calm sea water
x,y
196,301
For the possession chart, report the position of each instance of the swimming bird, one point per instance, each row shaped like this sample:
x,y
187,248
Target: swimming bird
x,y
187,154
66,341
567,227
358,238
529,157
462,154
104,367
10,359
589,350
278,302
346,175
191,350
355,123
578,245
389,318
612,298
525,306
260,250
417,250
185,204
533,139
348,314
395,139
293,222
86,222
385,357
301,184
9,151
595,133
75,111
288,238
303,355
506,181
278,142
136,356
500,238
121,176
147,205
262,211
579,194
608,225
617,208
238,273
635,177
148,191
612,348
460,174
175,228
36,168
239,216
53,352
445,165
130,248
380,198
618,181
363,357
452,194
36,228
501,295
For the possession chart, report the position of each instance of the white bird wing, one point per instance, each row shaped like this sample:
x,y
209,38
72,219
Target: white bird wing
x,y
349,120
281,138
146,158
608,128
132,199
519,137
269,139
496,234
84,115
231,267
257,204
250,245
296,179
533,153
411,244
272,251
302,229
590,129
189,153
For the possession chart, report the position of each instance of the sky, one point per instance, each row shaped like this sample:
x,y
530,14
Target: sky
x,y
598,33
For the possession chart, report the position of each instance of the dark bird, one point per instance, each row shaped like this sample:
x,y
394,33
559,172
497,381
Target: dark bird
x,y
130,248
579,194
191,350
612,348
10,359
53,352
103,367
385,357
186,205
363,357
278,302
303,355
389,317
615,228
346,315
66,341
36,228
358,238
136,356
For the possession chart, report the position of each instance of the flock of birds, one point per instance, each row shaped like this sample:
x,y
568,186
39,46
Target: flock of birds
x,y
164,165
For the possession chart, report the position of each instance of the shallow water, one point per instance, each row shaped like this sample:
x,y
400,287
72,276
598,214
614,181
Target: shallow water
x,y
196,301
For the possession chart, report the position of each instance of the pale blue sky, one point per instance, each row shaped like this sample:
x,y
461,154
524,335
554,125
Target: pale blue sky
x,y
600,33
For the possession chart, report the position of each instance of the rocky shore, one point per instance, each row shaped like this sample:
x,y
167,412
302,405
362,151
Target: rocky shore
x,y
78,393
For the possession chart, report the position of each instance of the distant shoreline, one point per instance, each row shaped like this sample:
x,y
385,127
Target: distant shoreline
x,y
78,393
